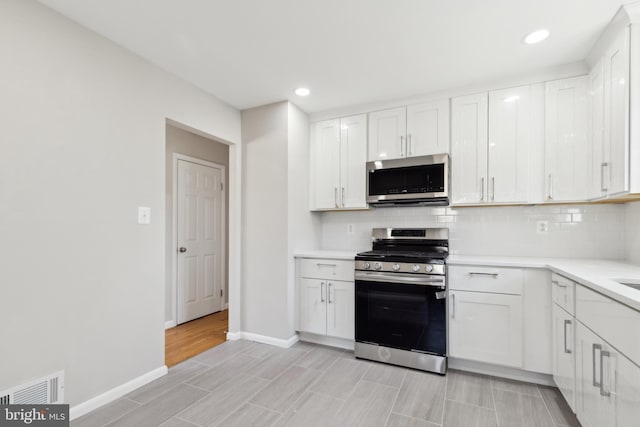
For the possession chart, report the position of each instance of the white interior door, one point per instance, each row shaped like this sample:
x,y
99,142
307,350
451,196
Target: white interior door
x,y
200,219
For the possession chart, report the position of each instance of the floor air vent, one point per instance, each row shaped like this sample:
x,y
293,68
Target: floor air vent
x,y
49,389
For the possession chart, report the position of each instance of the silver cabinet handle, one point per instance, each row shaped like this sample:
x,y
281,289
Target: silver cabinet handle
x,y
335,196
603,354
566,349
342,197
493,188
453,306
325,264
401,146
409,149
550,196
329,293
321,291
558,284
602,166
482,189
595,347
474,273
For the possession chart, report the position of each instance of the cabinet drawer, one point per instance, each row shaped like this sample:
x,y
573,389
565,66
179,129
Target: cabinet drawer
x,y
486,279
562,292
612,321
319,268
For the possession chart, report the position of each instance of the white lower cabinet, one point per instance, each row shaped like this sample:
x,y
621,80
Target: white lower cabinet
x,y
486,327
563,353
607,381
327,299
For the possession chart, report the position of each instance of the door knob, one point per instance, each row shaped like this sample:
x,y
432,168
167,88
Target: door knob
x,y
182,249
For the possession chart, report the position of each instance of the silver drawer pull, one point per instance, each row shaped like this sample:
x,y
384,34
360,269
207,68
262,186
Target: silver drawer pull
x,y
474,273
566,349
603,354
595,347
320,264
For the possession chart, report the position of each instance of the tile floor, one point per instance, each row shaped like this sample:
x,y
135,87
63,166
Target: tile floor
x,y
242,383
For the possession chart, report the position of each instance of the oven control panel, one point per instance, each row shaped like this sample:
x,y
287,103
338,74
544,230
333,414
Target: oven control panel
x,y
400,267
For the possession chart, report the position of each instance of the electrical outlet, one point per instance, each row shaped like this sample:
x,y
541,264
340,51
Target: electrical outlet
x,y
542,227
351,229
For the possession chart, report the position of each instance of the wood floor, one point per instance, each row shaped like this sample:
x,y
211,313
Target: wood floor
x,y
192,338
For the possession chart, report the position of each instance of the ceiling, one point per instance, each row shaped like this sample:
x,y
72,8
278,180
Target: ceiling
x,y
254,52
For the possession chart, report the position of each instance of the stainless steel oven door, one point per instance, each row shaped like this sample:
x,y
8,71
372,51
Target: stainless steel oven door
x,y
401,311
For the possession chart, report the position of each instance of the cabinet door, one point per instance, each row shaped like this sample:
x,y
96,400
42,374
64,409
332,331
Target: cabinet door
x,y
387,130
616,120
486,327
469,115
509,135
353,159
563,351
428,128
627,402
596,129
313,306
593,407
566,144
325,163
341,309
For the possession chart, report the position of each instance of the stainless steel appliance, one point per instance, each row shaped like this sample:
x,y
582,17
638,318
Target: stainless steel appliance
x,y
420,180
401,288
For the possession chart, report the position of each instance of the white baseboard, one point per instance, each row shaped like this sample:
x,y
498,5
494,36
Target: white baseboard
x,y
226,306
324,340
115,393
264,339
170,324
500,371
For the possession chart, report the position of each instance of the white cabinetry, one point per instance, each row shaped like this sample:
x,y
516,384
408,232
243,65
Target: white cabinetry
x,y
563,337
338,159
491,146
566,145
609,118
326,297
485,315
607,372
415,130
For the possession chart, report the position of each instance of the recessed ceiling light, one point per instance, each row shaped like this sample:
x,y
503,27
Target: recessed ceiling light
x,y
302,91
536,36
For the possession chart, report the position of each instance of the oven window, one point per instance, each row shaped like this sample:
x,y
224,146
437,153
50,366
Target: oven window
x,y
409,180
403,316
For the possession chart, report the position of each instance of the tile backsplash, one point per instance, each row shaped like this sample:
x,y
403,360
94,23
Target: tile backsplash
x,y
584,231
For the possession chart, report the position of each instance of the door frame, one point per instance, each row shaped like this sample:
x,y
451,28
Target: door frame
x,y
174,228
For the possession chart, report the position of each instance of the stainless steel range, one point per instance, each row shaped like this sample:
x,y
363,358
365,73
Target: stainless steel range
x,y
401,288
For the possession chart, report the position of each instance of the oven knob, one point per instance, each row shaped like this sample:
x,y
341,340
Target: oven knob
x,y
366,265
396,267
428,268
416,268
378,266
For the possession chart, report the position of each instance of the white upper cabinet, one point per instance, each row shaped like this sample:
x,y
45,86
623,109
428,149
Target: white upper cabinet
x,y
566,145
509,138
609,108
416,130
353,159
469,143
428,128
338,160
387,132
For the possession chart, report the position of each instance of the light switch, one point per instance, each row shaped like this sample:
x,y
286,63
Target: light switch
x,y
144,215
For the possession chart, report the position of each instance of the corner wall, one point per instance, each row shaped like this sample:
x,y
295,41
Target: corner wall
x,y
632,235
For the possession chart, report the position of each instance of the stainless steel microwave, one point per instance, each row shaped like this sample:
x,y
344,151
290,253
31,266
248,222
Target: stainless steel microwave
x,y
422,180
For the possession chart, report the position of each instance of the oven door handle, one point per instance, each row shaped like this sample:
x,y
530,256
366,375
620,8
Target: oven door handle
x,y
401,279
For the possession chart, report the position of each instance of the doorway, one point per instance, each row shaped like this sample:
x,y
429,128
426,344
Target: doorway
x,y
197,219
200,219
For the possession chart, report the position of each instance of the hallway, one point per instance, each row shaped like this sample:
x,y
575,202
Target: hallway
x,y
192,338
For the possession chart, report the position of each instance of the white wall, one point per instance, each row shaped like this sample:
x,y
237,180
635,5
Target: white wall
x,y
83,145
586,231
264,221
632,235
